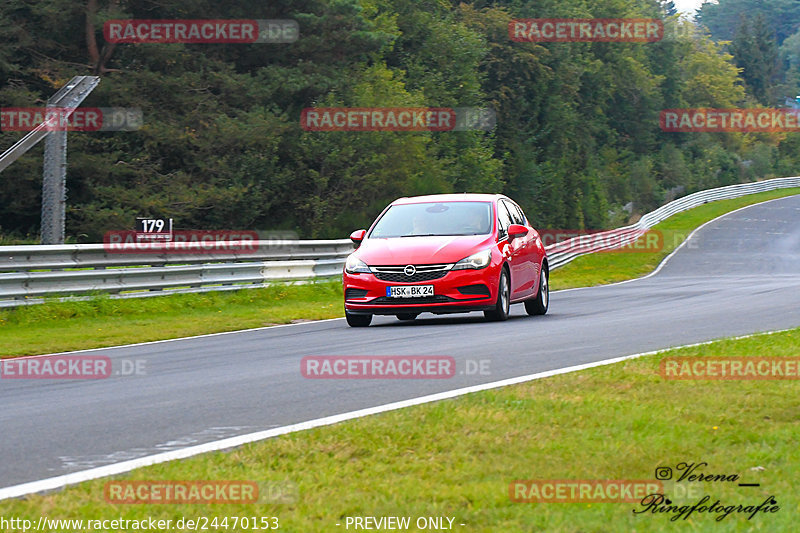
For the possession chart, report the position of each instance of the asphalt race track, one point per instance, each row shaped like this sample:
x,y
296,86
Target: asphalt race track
x,y
739,274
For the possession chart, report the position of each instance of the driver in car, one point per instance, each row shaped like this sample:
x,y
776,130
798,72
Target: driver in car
x,y
419,226
476,224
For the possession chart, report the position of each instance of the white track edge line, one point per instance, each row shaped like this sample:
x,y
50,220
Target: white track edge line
x,y
58,482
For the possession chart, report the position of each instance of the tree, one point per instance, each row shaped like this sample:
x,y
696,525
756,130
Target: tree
x,y
577,135
755,51
723,18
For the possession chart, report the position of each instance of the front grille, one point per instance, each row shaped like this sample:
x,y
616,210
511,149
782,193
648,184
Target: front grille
x,y
437,299
349,294
396,273
402,278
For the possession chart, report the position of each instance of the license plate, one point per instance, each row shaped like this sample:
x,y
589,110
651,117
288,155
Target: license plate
x,y
409,291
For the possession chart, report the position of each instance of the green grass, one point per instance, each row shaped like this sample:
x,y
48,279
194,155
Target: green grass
x,y
456,458
7,240
64,326
103,321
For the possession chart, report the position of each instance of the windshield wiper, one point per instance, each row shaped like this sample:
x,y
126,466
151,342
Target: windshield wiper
x,y
433,235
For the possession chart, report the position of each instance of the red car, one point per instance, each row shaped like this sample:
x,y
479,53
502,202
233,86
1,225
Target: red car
x,y
446,253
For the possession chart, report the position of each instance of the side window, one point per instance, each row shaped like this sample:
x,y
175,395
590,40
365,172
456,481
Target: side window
x,y
514,212
503,220
521,215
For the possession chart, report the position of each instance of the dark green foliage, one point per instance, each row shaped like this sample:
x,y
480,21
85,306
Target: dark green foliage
x,y
577,133
756,53
722,18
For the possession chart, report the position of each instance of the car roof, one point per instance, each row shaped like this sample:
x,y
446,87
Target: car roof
x,y
465,197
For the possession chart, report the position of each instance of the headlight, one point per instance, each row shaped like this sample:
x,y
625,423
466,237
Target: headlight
x,y
475,261
355,265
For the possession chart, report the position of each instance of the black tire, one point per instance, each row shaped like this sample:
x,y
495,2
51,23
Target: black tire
x,y
539,305
500,311
357,321
407,316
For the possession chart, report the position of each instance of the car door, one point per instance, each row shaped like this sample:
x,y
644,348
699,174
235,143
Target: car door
x,y
532,253
514,250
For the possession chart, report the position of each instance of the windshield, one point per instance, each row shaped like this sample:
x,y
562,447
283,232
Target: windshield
x,y
435,218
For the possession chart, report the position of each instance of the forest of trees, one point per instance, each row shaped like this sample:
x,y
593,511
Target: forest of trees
x,y
577,135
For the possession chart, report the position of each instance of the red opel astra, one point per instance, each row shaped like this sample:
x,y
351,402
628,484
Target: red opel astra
x,y
446,253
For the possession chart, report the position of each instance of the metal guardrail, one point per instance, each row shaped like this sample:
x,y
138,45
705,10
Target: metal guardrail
x,y
30,273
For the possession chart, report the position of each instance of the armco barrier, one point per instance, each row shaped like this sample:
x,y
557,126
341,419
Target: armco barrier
x,y
29,273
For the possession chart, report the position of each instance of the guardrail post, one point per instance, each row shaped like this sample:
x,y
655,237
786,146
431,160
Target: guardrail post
x,y
54,177
54,186
55,155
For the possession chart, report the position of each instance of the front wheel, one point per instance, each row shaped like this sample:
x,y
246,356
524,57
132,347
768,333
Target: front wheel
x,y
500,311
539,305
357,321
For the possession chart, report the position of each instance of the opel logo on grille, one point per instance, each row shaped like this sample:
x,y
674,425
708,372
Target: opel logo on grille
x,y
410,270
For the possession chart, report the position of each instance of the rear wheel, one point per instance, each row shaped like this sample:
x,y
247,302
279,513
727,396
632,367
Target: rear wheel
x,y
500,311
407,316
357,321
539,305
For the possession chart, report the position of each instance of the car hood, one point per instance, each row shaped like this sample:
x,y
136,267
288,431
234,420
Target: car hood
x,y
421,250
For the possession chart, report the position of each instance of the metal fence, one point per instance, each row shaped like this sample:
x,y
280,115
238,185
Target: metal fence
x,y
28,274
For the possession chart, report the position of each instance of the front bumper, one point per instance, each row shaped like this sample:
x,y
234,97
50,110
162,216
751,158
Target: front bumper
x,y
459,291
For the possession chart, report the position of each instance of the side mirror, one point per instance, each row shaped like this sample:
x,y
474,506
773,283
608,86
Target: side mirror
x,y
357,236
516,231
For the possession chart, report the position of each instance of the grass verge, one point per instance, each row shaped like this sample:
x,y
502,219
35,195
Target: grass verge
x,y
456,458
65,326
103,321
